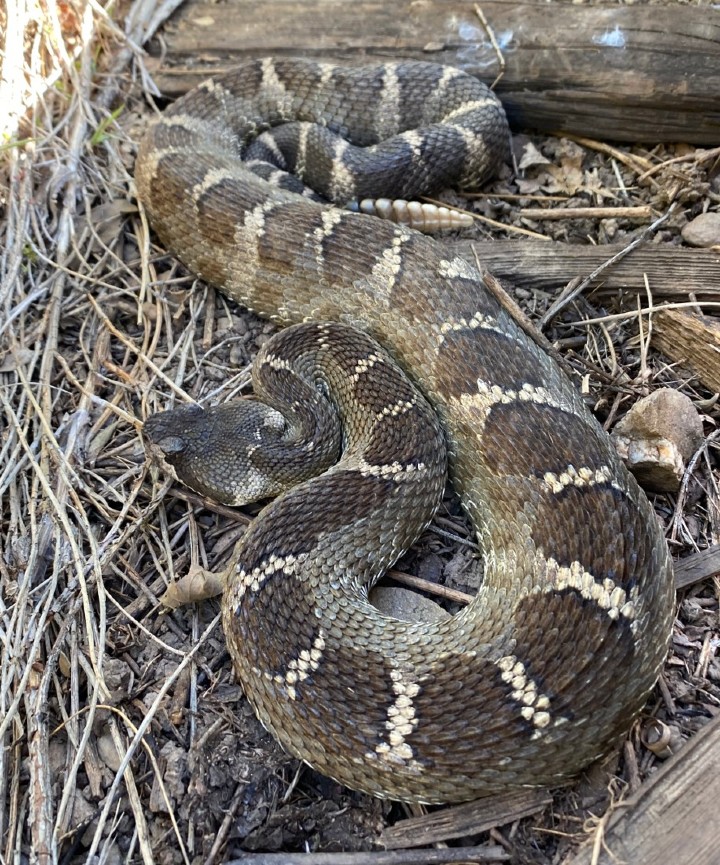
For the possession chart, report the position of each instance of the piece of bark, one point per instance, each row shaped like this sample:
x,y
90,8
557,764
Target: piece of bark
x,y
672,272
646,73
673,817
460,821
691,340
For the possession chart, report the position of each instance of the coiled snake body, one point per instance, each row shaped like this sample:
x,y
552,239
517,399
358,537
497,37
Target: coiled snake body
x,y
556,655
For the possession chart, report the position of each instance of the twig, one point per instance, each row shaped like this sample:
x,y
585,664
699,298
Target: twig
x,y
493,41
639,212
632,161
140,734
634,313
568,296
689,157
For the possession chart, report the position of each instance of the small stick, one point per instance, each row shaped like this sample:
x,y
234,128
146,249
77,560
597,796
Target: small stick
x,y
689,157
639,212
493,41
568,296
636,163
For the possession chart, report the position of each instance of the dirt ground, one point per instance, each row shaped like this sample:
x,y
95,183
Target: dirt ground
x,y
124,735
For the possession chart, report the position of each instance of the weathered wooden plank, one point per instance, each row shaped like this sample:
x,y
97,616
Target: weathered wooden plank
x,y
673,273
673,818
697,567
627,73
461,821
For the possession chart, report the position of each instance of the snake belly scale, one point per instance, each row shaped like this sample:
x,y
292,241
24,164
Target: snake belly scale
x,y
551,662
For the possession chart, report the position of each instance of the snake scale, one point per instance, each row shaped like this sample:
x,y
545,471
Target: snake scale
x,y
551,662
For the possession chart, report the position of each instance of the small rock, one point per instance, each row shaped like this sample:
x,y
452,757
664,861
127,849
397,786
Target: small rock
x,y
657,437
174,759
406,605
704,230
107,749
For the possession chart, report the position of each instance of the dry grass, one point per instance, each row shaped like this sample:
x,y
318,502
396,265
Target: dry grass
x,y
113,718
70,466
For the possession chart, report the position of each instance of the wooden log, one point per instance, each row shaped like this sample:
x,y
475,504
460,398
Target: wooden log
x,y
646,73
673,273
673,817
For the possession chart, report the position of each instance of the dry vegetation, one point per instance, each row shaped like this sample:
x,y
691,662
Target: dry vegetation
x,y
122,734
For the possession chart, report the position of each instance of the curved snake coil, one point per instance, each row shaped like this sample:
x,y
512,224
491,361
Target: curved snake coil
x,y
558,652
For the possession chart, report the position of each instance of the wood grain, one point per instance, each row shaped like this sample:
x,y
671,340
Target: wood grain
x,y
465,820
673,273
691,340
626,73
673,817
697,567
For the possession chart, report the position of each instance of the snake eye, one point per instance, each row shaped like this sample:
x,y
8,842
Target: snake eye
x,y
172,444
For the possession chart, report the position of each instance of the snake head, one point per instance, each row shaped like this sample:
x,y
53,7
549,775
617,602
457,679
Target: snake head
x,y
220,451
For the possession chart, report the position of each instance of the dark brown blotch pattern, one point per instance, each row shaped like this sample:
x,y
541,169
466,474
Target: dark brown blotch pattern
x,y
291,525
492,356
276,622
403,442
351,249
592,524
488,714
285,234
358,713
212,210
559,439
577,668
378,387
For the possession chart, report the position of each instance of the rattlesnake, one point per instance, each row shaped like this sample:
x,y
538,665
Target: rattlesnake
x,y
557,654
